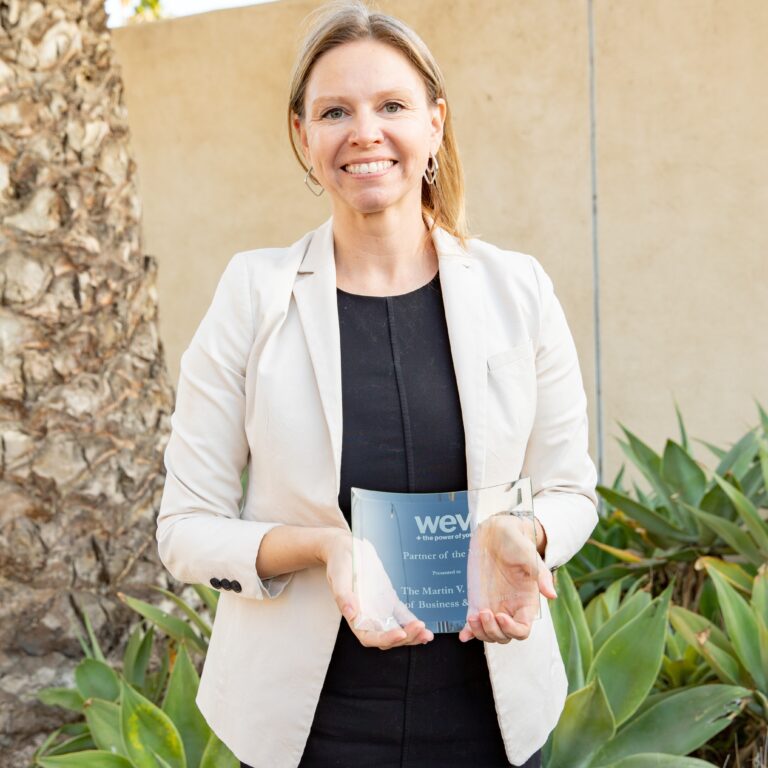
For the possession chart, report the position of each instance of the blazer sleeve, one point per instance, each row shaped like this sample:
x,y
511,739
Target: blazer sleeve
x,y
200,533
557,460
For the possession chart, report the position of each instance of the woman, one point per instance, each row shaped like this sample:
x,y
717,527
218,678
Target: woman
x,y
455,368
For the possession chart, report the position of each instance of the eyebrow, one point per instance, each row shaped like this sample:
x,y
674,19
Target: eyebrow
x,y
324,100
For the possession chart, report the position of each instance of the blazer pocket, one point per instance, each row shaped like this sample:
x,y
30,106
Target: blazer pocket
x,y
522,351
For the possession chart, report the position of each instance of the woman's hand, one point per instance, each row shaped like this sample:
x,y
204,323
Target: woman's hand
x,y
381,606
505,575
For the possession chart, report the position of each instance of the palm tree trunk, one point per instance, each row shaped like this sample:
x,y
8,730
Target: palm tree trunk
x,y
84,394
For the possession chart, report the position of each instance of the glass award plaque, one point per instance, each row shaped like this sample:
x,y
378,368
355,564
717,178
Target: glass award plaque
x,y
439,556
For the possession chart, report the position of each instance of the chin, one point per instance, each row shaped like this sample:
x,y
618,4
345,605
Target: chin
x,y
371,203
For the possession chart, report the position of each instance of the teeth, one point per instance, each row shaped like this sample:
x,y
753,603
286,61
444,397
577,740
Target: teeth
x,y
382,165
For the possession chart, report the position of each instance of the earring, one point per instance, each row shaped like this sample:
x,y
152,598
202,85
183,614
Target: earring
x,y
308,182
430,175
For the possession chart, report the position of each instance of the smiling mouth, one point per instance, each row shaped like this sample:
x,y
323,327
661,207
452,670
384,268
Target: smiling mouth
x,y
361,169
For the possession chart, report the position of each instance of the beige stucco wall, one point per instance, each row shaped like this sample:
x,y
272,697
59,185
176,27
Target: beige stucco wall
x,y
682,161
682,117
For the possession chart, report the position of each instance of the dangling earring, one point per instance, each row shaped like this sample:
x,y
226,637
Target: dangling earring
x,y
308,182
430,174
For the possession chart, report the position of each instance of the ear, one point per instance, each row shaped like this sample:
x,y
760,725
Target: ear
x,y
301,132
437,121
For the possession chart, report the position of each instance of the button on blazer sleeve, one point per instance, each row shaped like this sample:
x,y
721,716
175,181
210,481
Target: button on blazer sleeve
x,y
562,473
200,533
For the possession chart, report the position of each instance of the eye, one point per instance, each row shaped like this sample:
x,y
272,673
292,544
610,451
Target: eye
x,y
334,113
393,107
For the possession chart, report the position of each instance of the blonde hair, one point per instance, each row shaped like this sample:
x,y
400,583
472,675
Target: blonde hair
x,y
344,22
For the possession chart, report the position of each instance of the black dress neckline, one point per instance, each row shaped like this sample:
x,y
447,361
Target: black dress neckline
x,y
434,281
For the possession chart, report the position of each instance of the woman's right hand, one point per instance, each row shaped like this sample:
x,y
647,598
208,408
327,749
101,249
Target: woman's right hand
x,y
380,597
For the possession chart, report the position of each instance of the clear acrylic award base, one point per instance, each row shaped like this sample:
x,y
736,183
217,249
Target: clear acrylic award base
x,y
439,556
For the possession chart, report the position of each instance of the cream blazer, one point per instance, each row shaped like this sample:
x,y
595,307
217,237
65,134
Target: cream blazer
x,y
260,386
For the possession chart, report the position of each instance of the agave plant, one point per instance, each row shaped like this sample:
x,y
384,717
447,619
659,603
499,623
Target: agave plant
x,y
737,653
135,717
685,515
613,718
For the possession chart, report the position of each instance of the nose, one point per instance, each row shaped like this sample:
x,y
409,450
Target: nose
x,y
365,129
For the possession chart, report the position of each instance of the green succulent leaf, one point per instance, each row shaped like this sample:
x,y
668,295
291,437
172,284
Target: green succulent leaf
x,y
731,534
628,662
148,731
217,755
681,472
75,744
596,613
681,426
664,530
140,663
763,416
162,763
179,705
174,627
95,679
613,596
49,739
130,655
762,642
88,759
751,483
188,611
654,760
103,718
738,459
710,642
742,628
569,645
94,647
650,464
74,729
763,454
623,554
746,509
155,681
209,596
676,645
570,598
716,502
733,573
629,610
618,571
760,593
704,710
585,724
66,698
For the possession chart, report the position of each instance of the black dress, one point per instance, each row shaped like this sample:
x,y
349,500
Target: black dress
x,y
415,706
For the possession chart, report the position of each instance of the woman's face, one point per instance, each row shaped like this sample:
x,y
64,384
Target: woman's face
x,y
368,128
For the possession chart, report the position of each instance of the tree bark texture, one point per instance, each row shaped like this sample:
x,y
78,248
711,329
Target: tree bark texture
x,y
85,399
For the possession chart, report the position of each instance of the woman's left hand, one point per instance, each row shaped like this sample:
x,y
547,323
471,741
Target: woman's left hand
x,y
505,575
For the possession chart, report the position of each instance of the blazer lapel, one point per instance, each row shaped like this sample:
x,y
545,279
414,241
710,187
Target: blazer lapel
x,y
315,295
465,318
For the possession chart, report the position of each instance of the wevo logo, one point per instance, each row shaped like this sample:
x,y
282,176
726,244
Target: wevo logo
x,y
442,523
